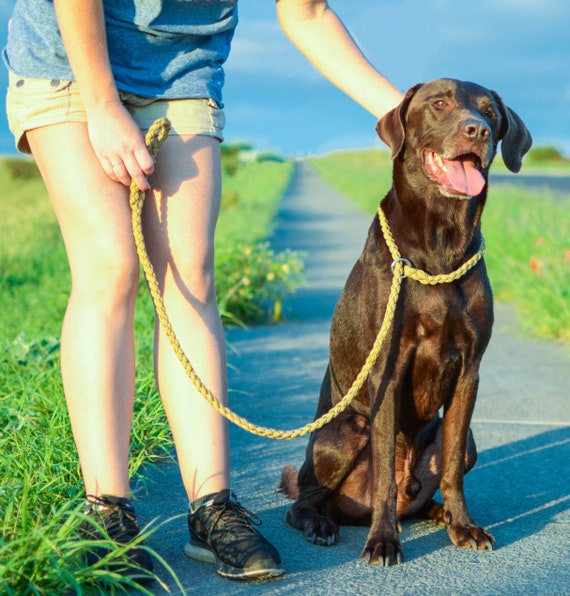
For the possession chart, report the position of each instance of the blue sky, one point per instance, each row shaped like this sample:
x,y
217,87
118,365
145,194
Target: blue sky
x,y
277,101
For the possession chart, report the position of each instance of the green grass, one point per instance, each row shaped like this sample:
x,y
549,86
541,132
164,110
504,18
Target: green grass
x,y
41,488
363,176
527,234
528,256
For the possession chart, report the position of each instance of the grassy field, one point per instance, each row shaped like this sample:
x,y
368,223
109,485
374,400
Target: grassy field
x,y
41,490
527,234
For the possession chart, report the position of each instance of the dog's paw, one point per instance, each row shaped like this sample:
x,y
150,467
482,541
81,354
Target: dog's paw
x,y
384,552
471,536
321,530
434,512
317,529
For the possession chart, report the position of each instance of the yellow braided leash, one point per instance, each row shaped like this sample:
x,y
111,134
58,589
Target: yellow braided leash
x,y
154,139
404,268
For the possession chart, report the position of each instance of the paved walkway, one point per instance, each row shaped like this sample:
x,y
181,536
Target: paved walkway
x,y
519,489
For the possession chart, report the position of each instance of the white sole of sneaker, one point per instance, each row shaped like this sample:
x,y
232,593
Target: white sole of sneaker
x,y
199,554
204,555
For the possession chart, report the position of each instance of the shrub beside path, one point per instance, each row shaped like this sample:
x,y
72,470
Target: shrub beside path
x,y
519,489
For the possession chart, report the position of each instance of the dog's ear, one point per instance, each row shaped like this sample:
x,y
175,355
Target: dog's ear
x,y
391,128
516,139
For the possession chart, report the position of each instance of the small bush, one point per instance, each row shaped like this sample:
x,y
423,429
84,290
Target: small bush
x,y
269,156
231,157
22,169
253,281
544,154
230,199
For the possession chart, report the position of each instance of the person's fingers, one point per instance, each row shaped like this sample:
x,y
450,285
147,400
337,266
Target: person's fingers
x,y
121,173
120,147
115,170
145,160
137,171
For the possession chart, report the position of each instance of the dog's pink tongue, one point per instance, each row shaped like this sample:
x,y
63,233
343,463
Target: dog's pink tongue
x,y
464,177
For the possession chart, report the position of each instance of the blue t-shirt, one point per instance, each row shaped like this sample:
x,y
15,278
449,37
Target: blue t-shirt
x,y
157,48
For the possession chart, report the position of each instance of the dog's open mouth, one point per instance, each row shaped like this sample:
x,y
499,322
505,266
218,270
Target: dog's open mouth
x,y
459,176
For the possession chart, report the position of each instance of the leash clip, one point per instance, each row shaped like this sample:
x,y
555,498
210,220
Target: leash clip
x,y
400,260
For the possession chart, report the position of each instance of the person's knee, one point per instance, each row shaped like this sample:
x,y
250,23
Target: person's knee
x,y
195,275
200,285
109,278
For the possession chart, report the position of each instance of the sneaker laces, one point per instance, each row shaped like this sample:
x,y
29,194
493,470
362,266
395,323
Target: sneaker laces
x,y
235,517
119,519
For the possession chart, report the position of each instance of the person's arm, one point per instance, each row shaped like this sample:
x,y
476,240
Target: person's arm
x,y
115,137
320,35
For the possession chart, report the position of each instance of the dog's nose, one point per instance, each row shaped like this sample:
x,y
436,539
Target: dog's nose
x,y
476,129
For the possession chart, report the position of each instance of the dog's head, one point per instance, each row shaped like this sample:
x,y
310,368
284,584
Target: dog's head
x,y
453,128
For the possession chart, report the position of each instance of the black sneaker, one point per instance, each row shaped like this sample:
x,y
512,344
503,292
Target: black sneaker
x,y
222,532
114,518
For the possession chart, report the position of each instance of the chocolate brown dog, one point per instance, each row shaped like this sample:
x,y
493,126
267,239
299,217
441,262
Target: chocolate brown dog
x,y
383,458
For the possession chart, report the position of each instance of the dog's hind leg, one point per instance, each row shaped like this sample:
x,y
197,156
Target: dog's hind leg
x,y
331,456
418,485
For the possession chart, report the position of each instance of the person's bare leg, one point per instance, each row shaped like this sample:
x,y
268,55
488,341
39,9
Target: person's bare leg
x,y
179,223
97,353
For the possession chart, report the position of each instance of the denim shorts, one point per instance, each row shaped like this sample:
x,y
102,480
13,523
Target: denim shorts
x,y
32,103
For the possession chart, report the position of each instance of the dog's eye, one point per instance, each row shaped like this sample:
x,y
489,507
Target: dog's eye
x,y
440,103
489,112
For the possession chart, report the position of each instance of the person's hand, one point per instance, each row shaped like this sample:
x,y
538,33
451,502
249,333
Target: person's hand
x,y
119,145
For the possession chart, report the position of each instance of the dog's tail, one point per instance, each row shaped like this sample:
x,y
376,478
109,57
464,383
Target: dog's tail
x,y
288,485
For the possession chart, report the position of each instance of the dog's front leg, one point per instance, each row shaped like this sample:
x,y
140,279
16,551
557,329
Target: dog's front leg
x,y
463,531
383,546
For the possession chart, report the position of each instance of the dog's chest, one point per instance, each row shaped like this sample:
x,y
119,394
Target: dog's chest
x,y
439,325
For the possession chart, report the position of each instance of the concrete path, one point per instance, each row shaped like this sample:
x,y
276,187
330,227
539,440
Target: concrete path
x,y
519,489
